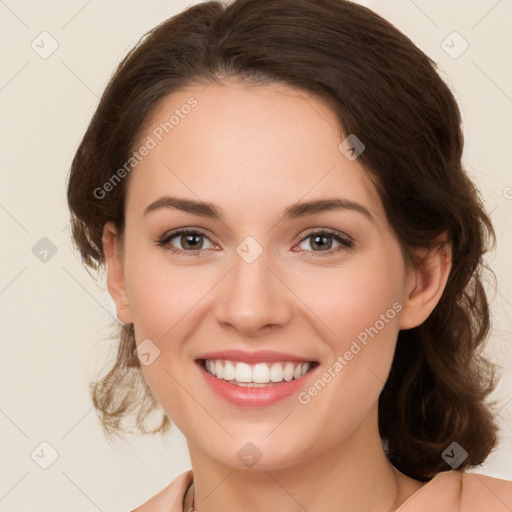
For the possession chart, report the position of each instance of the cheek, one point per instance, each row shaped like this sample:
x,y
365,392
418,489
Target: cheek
x,y
161,299
369,308
164,382
160,294
351,299
361,309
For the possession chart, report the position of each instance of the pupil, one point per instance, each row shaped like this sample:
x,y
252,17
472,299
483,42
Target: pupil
x,y
323,238
188,238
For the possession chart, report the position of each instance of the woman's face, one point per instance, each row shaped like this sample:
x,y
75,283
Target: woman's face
x,y
255,279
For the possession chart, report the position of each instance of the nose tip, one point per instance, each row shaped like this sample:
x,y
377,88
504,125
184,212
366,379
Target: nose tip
x,y
253,299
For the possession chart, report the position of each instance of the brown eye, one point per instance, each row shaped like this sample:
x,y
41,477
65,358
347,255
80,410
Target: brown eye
x,y
185,241
321,243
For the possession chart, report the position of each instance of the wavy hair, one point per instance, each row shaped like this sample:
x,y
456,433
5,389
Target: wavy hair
x,y
389,93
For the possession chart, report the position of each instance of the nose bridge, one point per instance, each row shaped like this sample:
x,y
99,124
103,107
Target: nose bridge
x,y
253,297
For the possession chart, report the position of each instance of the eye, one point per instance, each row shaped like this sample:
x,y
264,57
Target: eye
x,y
321,242
191,241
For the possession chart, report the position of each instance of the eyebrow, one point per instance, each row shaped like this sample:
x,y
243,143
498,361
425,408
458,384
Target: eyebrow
x,y
294,211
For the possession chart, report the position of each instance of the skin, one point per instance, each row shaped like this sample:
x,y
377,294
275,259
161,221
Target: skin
x,y
252,151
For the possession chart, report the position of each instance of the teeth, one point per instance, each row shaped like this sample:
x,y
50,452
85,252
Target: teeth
x,y
276,373
219,370
229,371
258,374
243,372
261,373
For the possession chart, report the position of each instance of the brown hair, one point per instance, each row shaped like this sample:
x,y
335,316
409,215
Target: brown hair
x,y
386,91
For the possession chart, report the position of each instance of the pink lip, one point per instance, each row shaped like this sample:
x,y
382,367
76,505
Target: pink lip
x,y
254,397
261,356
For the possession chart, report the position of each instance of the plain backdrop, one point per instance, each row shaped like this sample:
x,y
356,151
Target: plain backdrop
x,y
55,318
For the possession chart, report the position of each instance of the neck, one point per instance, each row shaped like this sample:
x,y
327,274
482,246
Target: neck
x,y
352,476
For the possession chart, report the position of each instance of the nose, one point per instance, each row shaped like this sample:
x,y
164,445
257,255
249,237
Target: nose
x,y
254,297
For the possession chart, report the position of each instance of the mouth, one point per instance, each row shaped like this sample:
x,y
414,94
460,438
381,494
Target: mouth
x,y
256,375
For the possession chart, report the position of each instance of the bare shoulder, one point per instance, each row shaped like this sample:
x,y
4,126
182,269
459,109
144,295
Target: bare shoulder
x,y
157,502
458,491
170,498
493,493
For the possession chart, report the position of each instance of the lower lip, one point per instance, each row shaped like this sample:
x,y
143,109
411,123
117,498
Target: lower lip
x,y
254,396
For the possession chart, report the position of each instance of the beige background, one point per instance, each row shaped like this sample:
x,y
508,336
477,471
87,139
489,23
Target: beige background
x,y
54,317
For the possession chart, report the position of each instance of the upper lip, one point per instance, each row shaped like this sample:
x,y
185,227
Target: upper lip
x,y
260,356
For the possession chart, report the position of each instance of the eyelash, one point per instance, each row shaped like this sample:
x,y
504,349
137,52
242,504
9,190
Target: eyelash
x,y
345,243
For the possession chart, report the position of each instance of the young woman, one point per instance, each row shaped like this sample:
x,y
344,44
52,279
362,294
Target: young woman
x,y
295,252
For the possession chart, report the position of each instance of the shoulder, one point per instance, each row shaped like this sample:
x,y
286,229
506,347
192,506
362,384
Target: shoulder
x,y
458,491
485,493
170,498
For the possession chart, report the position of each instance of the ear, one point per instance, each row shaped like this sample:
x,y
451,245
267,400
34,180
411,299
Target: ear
x,y
426,283
115,272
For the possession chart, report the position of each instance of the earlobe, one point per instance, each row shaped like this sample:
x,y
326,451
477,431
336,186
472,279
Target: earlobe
x,y
426,284
115,273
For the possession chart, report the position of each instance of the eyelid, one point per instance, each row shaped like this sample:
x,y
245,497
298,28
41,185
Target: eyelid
x,y
329,231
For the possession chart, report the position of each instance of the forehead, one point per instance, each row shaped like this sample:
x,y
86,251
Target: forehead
x,y
243,145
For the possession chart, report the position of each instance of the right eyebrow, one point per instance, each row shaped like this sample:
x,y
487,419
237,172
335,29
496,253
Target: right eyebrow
x,y
187,205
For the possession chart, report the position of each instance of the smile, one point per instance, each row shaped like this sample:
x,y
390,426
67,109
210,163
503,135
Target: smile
x,y
256,375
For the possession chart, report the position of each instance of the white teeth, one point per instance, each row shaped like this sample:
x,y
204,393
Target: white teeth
x,y
229,371
276,372
219,370
288,371
243,372
261,373
256,375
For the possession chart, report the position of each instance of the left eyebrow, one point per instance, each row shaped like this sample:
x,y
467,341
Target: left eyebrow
x,y
294,211
324,205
